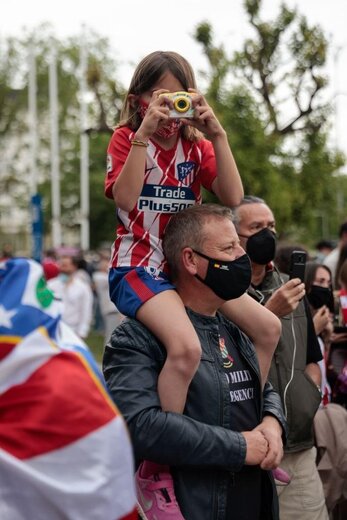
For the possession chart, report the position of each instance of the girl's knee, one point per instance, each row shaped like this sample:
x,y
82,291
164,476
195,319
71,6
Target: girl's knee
x,y
185,358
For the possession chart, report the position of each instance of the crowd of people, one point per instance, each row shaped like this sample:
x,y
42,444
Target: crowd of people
x,y
230,373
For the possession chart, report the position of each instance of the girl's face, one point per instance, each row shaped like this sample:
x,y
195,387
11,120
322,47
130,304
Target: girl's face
x,y
167,82
322,278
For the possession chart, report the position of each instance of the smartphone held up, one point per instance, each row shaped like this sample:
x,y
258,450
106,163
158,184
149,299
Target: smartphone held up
x,y
297,265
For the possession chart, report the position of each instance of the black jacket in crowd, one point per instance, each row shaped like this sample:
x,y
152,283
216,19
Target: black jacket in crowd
x,y
199,446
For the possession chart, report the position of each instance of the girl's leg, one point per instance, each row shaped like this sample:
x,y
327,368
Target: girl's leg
x,y
165,316
259,324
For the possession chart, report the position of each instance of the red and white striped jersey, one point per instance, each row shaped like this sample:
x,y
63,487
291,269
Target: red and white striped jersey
x,y
172,182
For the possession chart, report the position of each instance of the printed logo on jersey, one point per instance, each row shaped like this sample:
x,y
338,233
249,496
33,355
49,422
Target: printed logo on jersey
x,y
165,199
155,273
185,172
228,361
109,163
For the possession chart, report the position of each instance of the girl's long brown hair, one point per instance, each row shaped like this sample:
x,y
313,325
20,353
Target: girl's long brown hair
x,y
147,74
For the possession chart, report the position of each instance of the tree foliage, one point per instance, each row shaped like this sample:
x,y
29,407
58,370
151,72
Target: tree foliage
x,y
104,96
269,95
277,118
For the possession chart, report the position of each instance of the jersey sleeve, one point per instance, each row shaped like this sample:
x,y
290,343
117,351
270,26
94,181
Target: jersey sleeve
x,y
208,170
117,153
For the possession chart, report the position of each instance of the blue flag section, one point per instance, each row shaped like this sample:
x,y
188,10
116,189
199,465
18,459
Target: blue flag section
x,y
36,227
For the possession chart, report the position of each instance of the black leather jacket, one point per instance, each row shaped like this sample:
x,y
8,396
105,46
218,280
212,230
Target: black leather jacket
x,y
199,446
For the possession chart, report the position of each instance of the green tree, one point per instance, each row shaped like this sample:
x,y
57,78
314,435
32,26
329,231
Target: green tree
x,y
276,117
104,96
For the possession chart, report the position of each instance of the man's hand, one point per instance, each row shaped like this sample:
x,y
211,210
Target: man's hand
x,y
272,431
286,299
257,447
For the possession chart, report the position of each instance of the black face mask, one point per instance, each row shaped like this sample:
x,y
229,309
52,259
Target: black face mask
x,y
228,280
319,296
261,247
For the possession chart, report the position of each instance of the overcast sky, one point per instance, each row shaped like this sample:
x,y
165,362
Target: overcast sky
x,y
137,27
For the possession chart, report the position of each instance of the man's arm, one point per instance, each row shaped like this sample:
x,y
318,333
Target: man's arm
x,y
272,431
273,427
272,406
131,366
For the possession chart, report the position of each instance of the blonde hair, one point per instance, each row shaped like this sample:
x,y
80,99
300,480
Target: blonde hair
x,y
147,74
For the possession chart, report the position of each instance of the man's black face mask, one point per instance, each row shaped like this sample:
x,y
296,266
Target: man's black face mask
x,y
261,247
228,280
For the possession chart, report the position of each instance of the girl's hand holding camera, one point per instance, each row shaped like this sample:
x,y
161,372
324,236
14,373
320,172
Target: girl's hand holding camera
x,y
157,115
204,117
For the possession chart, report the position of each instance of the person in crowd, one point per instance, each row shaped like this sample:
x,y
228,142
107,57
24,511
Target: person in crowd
x,y
64,447
340,260
50,264
294,372
157,163
50,254
330,421
76,295
318,285
332,258
230,435
338,350
50,268
283,254
6,252
323,248
111,317
84,270
341,296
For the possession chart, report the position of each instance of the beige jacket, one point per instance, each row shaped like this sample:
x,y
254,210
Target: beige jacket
x,y
330,429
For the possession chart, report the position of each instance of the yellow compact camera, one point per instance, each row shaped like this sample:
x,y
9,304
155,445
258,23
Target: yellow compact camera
x,y
182,102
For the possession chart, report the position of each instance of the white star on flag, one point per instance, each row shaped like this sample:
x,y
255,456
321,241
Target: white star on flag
x,y
5,317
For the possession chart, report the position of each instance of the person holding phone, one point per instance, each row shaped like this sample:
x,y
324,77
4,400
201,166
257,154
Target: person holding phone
x,y
294,371
318,283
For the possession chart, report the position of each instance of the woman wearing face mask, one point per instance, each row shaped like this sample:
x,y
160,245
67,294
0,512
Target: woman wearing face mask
x,y
320,296
338,351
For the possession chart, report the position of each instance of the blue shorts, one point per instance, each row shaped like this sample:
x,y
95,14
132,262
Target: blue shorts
x,y
130,287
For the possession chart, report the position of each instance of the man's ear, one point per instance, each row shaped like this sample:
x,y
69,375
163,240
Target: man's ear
x,y
133,100
189,260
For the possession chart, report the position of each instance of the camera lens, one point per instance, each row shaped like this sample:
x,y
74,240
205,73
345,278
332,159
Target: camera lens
x,y
181,104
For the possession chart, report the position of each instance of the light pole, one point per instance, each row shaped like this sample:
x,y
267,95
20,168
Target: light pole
x,y
84,148
55,163
35,200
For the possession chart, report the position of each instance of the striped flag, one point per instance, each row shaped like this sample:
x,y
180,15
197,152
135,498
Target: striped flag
x,y
65,452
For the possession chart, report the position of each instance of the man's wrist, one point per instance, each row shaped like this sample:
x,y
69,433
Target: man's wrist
x,y
271,419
